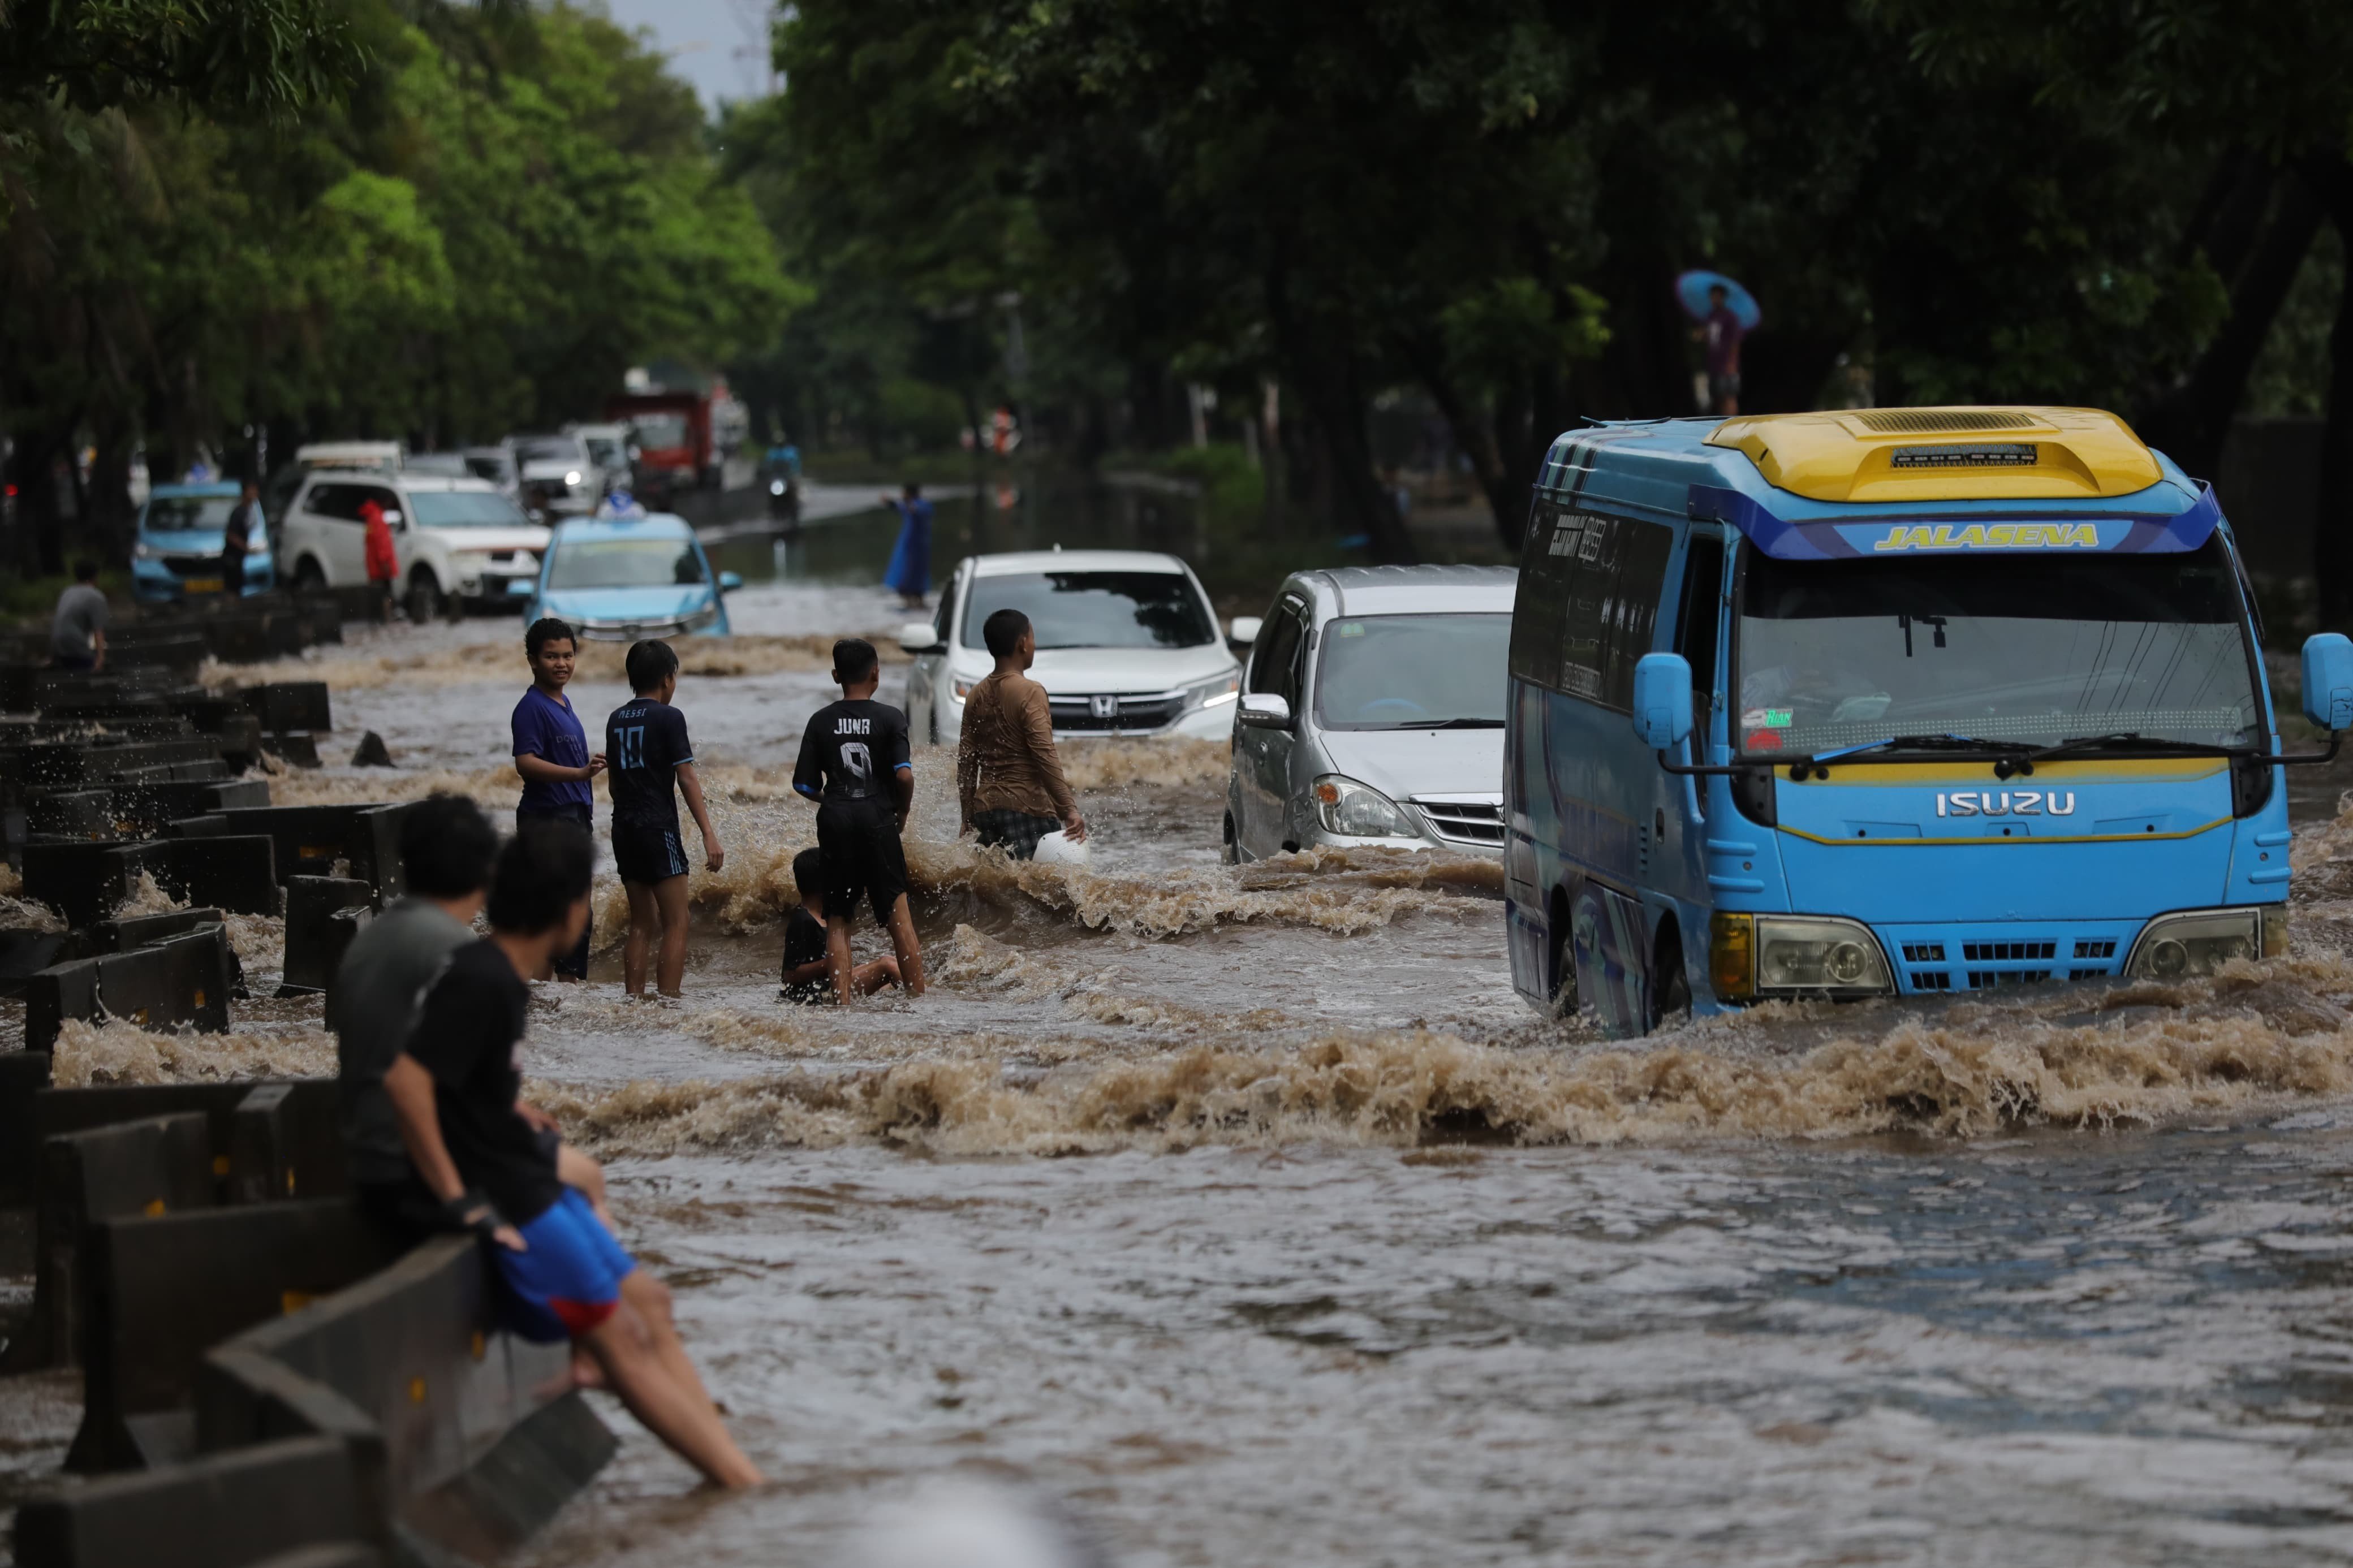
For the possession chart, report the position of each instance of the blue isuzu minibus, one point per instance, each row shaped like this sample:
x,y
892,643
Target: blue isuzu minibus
x,y
1886,702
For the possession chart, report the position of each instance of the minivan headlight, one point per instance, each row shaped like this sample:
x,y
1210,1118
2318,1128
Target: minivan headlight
x,y
2199,942
1359,811
1794,955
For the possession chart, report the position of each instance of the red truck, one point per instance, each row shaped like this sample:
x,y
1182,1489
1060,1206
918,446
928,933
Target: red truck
x,y
673,450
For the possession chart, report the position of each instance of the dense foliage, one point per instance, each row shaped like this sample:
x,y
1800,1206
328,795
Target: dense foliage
x,y
365,219
2104,201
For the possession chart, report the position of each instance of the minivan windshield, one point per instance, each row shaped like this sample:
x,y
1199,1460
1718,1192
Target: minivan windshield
x,y
624,563
1414,672
1096,609
181,514
2029,649
466,509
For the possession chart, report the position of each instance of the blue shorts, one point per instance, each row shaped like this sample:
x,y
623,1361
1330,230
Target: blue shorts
x,y
569,1279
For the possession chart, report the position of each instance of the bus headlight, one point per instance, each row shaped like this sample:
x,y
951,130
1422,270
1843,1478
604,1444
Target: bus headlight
x,y
2199,941
1794,955
1357,811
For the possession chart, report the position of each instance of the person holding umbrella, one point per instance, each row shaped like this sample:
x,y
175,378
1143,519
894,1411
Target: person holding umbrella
x,y
1726,313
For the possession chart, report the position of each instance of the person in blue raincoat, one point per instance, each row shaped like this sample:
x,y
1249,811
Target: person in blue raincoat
x,y
910,571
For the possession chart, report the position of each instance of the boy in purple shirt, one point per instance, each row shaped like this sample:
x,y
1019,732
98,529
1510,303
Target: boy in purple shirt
x,y
550,751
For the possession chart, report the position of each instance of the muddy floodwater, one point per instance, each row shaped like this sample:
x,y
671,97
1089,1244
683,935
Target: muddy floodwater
x,y
1246,1217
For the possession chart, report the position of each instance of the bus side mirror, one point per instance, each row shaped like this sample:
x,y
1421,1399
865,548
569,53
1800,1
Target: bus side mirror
x,y
2328,680
729,581
1662,698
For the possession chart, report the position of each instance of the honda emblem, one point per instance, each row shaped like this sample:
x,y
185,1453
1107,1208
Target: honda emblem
x,y
1105,707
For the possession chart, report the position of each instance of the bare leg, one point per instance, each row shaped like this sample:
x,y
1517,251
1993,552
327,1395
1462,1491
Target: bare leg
x,y
651,1298
634,1369
903,938
837,958
645,918
872,977
670,898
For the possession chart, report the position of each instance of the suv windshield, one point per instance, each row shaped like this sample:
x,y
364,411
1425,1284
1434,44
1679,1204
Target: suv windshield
x,y
464,508
548,450
180,514
2001,647
624,563
1096,609
1407,672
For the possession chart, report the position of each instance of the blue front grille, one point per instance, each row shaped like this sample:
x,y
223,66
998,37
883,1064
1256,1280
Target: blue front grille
x,y
1943,959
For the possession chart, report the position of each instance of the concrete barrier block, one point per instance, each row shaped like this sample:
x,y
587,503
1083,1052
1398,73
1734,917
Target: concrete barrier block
x,y
156,1166
483,1435
74,814
237,872
147,808
276,1141
145,1332
237,1510
290,705
314,942
54,994
24,953
75,880
129,931
309,1114
24,1074
312,838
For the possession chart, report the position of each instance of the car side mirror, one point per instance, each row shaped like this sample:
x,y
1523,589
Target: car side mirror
x,y
919,637
1243,631
522,587
1662,698
729,581
1263,710
2328,680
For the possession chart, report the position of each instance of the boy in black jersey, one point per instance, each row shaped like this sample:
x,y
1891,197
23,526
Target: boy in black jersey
x,y
646,748
806,977
854,764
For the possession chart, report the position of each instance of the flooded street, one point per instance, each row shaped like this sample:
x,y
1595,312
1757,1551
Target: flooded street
x,y
1245,1217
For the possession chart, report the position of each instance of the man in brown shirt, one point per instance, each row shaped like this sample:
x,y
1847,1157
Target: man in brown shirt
x,y
1009,783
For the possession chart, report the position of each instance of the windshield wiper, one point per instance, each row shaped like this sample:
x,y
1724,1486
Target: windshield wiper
x,y
2135,741
1821,761
1454,724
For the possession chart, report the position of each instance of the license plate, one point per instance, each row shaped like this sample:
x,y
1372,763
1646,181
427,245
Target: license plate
x,y
204,584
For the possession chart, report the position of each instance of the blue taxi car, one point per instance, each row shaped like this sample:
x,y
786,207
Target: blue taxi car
x,y
621,579
177,555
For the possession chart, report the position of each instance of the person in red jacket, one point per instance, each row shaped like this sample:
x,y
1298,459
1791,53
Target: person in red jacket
x,y
382,560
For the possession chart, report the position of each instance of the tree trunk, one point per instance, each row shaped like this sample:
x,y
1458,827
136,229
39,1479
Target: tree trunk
x,y
2332,547
1474,432
2191,422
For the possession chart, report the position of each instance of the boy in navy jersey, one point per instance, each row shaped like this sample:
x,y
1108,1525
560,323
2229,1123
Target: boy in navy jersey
x,y
646,750
854,764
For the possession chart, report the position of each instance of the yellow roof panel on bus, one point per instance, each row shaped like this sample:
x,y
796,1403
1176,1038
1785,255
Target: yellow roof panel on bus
x,y
1945,453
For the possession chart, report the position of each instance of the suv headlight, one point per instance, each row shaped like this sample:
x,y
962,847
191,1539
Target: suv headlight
x,y
140,551
1357,811
2200,941
1794,955
1214,693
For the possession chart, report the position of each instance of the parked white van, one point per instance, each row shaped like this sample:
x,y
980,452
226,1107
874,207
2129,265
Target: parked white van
x,y
458,541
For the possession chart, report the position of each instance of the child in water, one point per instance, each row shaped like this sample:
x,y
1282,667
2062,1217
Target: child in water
x,y
804,973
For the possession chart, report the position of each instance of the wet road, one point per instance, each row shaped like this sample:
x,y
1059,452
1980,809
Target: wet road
x,y
1246,1216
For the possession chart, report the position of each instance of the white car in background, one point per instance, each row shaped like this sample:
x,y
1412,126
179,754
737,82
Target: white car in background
x,y
1127,645
458,541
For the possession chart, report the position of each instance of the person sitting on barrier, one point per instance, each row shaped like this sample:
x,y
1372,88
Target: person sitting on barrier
x,y
447,848
455,1088
78,633
805,962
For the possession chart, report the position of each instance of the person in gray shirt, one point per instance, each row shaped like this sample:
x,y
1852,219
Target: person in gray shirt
x,y
77,636
448,847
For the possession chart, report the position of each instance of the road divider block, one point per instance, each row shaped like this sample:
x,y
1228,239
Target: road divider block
x,y
315,942
181,979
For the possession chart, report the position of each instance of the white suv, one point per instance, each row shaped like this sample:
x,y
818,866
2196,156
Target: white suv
x,y
1127,645
458,541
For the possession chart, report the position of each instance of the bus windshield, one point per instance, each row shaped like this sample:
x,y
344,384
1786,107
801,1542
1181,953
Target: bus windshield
x,y
2031,650
1414,672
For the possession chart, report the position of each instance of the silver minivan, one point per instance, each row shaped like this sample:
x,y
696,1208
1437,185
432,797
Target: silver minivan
x,y
1372,712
